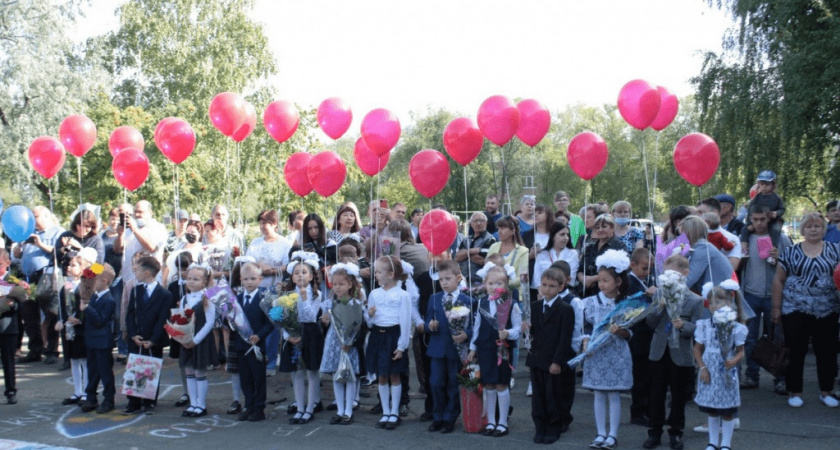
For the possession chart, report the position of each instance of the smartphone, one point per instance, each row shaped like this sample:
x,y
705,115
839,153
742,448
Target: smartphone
x,y
30,240
122,219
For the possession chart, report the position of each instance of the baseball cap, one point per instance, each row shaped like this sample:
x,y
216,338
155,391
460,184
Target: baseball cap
x,y
725,198
767,175
183,215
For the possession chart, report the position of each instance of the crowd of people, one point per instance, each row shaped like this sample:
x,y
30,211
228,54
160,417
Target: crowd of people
x,y
543,280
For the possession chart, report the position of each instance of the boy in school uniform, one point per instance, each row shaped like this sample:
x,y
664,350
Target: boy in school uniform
x,y
553,381
148,309
252,370
640,280
443,355
99,311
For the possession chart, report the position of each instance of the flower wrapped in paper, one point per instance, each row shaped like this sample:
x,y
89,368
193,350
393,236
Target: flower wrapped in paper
x,y
627,313
281,310
672,296
724,320
346,320
457,315
470,377
228,308
181,327
503,300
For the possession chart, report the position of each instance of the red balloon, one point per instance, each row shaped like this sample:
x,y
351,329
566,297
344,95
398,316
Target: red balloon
x,y
381,130
78,134
281,120
250,123
176,140
462,140
498,119
438,230
160,125
125,137
131,168
296,173
587,155
369,162
696,157
327,173
669,105
227,112
535,120
429,172
334,117
638,103
46,154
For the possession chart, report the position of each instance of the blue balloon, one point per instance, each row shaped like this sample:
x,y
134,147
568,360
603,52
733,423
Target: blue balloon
x,y
18,223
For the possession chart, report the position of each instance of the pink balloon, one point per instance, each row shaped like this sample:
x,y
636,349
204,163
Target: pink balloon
x,y
429,172
369,162
296,173
437,231
46,154
334,117
498,119
696,158
227,112
669,105
125,137
250,123
535,120
281,120
176,140
131,168
462,140
638,103
381,130
327,173
78,134
160,125
587,155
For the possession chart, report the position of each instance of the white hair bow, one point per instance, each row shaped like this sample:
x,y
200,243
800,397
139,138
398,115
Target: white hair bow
x,y
615,259
511,272
244,259
350,268
308,258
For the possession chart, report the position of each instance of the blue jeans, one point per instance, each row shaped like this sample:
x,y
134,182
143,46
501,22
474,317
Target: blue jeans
x,y
761,306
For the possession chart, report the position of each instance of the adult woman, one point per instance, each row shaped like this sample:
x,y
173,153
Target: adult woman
x,y
559,249
82,234
346,224
315,241
218,251
192,236
536,239
705,262
526,209
805,300
271,251
602,238
671,237
510,246
632,238
590,213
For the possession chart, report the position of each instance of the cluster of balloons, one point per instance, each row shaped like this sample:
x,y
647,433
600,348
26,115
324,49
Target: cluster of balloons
x,y
643,105
324,173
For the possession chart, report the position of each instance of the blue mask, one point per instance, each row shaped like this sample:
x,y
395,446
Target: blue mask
x,y
621,221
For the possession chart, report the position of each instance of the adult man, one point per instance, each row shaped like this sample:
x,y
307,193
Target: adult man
x,y
143,233
416,218
233,237
398,211
727,214
832,233
176,237
99,312
36,255
757,281
473,250
379,216
491,210
712,206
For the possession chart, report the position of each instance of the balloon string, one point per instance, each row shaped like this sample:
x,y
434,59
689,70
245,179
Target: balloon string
x,y
655,173
227,172
239,184
467,215
506,187
177,192
647,177
49,190
79,169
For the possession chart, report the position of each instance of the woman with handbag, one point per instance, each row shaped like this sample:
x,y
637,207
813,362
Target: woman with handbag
x,y
806,302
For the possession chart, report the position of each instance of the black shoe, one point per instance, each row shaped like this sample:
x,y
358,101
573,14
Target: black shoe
x,y
89,406
149,410
392,425
377,409
183,401
243,416
564,427
31,357
305,418
234,408
676,442
504,432
200,412
332,407
550,439
105,408
320,407
426,416
65,366
11,399
538,438
256,416
72,400
448,427
292,409
50,360
489,430
641,420
131,409
435,426
335,420
654,440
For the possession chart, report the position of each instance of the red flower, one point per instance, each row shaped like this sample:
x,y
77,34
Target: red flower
x,y
183,321
236,252
188,313
88,274
719,240
175,318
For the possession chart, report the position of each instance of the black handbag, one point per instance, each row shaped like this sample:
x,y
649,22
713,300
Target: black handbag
x,y
771,354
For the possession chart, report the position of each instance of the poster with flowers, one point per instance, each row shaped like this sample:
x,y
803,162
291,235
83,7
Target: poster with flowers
x,y
142,375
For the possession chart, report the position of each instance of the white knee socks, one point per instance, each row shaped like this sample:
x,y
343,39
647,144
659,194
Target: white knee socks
x,y
349,397
601,398
396,392
299,385
192,389
490,405
714,430
340,390
314,392
236,386
80,378
201,389
385,399
504,406
615,412
726,429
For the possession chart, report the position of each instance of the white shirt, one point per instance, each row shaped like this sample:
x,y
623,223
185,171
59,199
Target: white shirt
x,y
577,334
546,258
155,232
275,254
393,307
515,323
190,301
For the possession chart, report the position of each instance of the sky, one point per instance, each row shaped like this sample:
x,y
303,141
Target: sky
x,y
413,55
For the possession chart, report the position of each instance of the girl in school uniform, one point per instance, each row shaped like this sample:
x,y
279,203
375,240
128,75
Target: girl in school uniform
x,y
75,329
194,357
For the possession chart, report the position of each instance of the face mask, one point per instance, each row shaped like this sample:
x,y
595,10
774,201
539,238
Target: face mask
x,y
191,238
140,222
621,221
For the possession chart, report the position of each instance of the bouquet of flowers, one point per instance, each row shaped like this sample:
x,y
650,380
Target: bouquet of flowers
x,y
724,320
228,308
281,310
470,378
457,315
12,281
346,320
504,303
627,313
181,327
70,304
672,288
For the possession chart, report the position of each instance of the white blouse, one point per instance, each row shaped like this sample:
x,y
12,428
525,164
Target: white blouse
x,y
275,254
546,258
190,301
393,307
515,322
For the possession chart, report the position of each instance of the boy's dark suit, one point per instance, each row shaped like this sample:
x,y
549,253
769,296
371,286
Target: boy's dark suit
x,y
99,340
553,395
639,350
251,370
8,339
145,317
427,287
445,361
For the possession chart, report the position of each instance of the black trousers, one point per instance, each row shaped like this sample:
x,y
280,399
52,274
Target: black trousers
x,y
100,366
640,392
157,352
664,374
552,400
7,356
424,369
30,314
800,328
252,377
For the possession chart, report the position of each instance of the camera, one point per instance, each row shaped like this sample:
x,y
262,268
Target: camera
x,y
122,219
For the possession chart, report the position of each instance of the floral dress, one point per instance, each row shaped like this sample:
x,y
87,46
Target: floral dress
x,y
718,394
332,347
611,367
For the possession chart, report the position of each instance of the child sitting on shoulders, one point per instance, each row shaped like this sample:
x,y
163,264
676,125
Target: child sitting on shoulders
x,y
767,196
